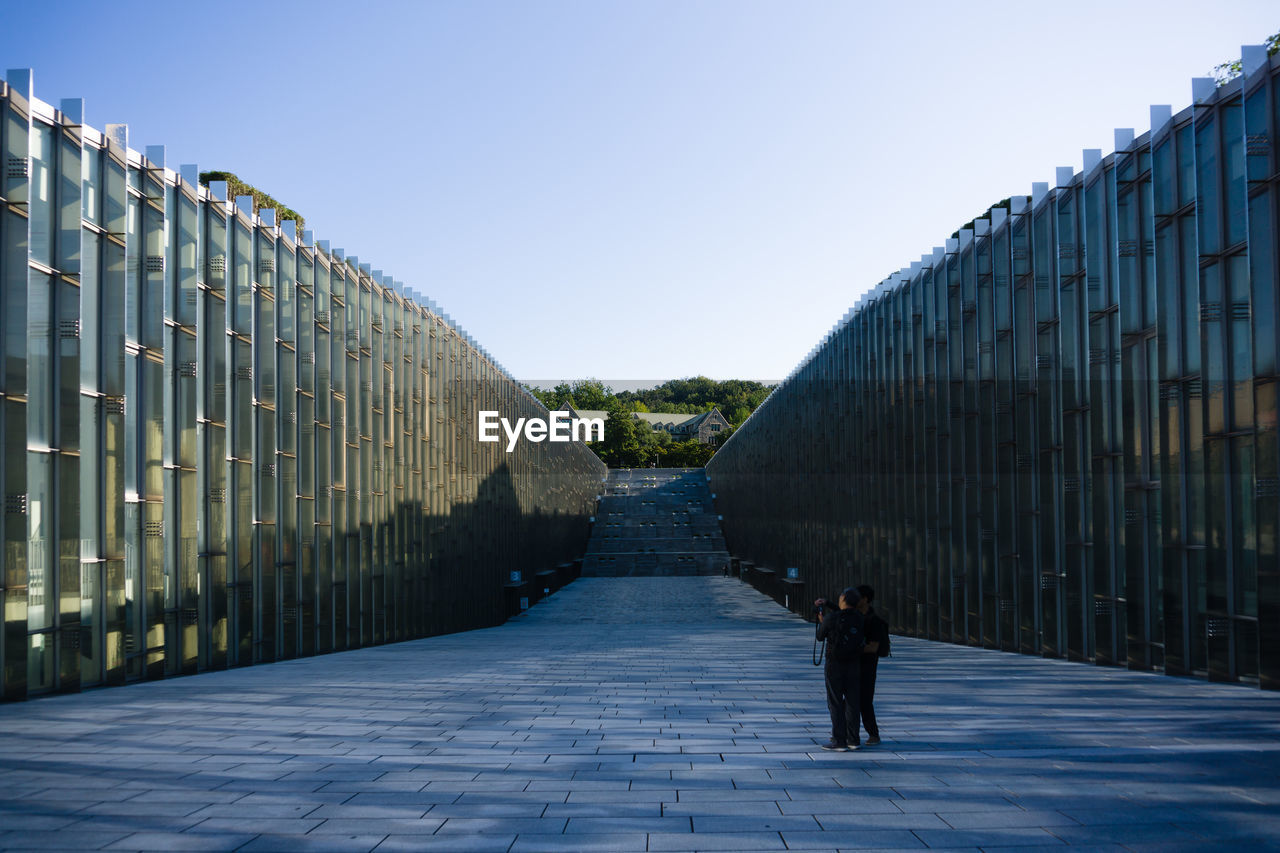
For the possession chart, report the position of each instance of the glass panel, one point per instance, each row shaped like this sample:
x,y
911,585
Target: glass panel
x,y
1244,532
242,401
90,485
184,311
1233,160
67,561
41,516
1163,177
216,474
152,425
267,465
70,173
184,399
90,293
266,261
152,305
40,674
214,366
39,361
1148,262
265,351
115,211
242,311
13,301
1170,363
68,366
287,402
90,185
1189,262
1212,332
1209,205
288,509
41,206
286,328
91,627
1186,166
1256,120
216,254
219,600
1240,376
306,446
1262,260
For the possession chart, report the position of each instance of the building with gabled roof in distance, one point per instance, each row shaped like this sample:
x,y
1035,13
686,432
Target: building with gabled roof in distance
x,y
587,414
703,426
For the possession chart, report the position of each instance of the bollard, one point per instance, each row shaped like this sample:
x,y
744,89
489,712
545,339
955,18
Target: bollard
x,y
515,595
543,581
765,582
793,594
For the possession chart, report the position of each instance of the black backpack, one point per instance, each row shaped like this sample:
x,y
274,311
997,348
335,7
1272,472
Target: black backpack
x,y
850,637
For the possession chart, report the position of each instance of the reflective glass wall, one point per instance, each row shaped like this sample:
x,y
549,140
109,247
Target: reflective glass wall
x,y
1057,434
225,443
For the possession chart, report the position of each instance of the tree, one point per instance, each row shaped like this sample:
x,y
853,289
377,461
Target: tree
x,y
592,394
1228,71
687,454
736,398
581,394
624,442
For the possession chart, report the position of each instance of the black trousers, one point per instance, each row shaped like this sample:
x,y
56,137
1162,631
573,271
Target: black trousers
x,y
843,687
867,693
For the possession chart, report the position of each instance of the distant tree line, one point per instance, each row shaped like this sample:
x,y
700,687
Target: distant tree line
x,y
633,443
736,398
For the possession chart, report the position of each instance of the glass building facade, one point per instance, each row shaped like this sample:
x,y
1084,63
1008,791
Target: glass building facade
x,y
1057,434
225,443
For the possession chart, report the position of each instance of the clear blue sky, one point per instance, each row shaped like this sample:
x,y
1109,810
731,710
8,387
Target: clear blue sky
x,y
630,190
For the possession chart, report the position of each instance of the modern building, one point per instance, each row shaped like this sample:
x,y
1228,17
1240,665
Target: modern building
x,y
1057,433
702,427
227,443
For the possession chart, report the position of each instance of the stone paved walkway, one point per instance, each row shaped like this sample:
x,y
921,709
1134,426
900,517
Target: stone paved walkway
x,y
632,714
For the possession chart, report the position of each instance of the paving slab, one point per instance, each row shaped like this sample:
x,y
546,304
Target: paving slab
x,y
635,714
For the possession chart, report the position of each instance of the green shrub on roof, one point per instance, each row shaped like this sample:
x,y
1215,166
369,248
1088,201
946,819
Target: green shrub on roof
x,y
261,200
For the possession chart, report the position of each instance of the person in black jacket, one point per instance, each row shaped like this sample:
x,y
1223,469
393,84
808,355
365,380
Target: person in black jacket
x,y
877,631
837,626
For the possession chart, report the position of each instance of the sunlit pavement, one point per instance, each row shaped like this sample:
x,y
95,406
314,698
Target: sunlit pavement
x,y
632,714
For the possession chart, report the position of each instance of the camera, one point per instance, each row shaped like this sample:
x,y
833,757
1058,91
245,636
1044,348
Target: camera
x,y
820,607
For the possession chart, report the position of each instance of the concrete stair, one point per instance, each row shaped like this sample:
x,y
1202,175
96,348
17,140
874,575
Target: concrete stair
x,y
655,522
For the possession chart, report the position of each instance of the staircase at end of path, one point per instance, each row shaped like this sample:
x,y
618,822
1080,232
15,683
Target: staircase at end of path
x,y
656,521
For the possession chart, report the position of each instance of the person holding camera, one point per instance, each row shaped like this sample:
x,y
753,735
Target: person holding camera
x,y
842,629
877,634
